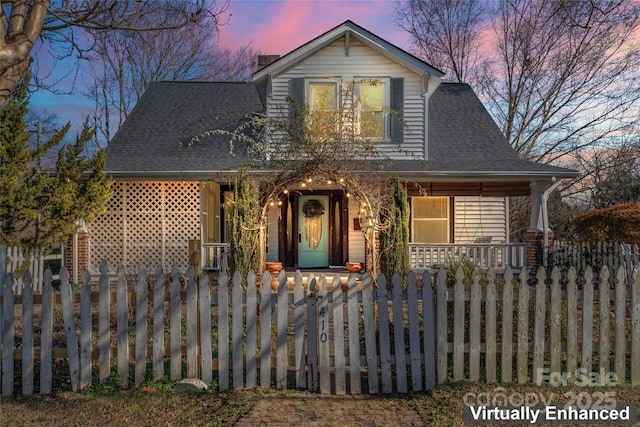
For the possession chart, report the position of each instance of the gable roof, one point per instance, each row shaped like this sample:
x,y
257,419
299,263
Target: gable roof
x,y
349,29
464,142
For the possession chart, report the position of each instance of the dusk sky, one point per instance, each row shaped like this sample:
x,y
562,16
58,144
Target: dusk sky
x,y
270,26
279,26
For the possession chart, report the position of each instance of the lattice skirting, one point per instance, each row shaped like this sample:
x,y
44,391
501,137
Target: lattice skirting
x,y
147,223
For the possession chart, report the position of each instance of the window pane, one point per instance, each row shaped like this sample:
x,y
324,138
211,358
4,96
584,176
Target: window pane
x,y
435,231
323,97
372,124
430,207
372,110
372,97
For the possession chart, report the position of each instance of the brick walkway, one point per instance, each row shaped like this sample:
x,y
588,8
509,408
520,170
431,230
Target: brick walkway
x,y
300,408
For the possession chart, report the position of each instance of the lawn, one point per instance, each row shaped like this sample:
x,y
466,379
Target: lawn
x,y
159,405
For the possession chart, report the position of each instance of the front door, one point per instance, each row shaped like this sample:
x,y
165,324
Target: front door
x,y
313,231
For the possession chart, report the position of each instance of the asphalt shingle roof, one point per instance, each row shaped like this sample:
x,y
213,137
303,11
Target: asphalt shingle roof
x,y
463,138
156,138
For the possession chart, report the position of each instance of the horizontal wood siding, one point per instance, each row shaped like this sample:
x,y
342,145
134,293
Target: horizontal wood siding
x,y
272,235
362,61
481,217
356,238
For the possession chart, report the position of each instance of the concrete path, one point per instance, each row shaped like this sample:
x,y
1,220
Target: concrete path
x,y
314,410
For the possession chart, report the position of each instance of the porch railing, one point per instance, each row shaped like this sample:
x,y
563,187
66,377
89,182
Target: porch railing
x,y
484,255
213,256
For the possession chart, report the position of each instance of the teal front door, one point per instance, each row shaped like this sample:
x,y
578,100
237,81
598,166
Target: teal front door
x,y
313,231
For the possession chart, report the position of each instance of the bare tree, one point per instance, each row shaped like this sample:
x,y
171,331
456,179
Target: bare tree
x,y
125,62
60,24
298,147
611,175
446,33
565,75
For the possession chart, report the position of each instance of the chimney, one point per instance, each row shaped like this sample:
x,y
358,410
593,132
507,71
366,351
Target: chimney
x,y
264,60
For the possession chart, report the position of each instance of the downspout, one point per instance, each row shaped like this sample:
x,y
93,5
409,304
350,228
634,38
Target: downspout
x,y
545,219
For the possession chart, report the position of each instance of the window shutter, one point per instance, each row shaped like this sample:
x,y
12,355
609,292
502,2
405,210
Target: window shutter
x,y
296,96
397,107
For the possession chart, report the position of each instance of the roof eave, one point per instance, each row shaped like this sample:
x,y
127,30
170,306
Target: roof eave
x,y
501,176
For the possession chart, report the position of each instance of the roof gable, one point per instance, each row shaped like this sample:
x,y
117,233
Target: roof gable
x,y
347,29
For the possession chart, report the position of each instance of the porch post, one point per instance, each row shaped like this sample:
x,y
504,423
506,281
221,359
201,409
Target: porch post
x,y
77,252
539,234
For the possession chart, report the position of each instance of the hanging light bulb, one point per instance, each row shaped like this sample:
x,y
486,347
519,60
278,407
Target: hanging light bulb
x,y
285,191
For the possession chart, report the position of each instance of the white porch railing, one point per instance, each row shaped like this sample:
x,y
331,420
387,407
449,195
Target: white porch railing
x,y
421,255
484,255
213,256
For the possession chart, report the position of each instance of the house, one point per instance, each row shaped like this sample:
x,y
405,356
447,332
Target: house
x,y
168,193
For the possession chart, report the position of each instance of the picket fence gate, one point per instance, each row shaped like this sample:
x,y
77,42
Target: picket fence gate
x,y
324,340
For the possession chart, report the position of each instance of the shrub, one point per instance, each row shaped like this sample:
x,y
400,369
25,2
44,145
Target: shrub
x,y
616,223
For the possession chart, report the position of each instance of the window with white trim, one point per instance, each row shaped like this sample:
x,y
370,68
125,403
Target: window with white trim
x,y
373,97
430,219
323,102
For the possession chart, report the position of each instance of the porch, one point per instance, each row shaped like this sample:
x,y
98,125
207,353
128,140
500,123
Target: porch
x,y
421,256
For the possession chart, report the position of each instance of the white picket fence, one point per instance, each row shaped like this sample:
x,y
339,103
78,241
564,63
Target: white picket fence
x,y
15,257
356,340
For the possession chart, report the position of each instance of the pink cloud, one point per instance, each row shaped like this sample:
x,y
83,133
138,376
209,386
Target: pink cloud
x,y
277,27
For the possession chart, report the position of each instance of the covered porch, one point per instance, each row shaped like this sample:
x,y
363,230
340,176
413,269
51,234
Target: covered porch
x,y
471,229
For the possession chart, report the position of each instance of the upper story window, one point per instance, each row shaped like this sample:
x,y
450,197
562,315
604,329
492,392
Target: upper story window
x,y
373,97
378,102
323,102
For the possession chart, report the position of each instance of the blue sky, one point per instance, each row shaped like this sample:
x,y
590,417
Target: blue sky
x,y
269,26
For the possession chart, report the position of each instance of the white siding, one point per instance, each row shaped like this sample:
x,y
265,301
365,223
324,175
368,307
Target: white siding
x,y
272,235
331,62
478,217
356,238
